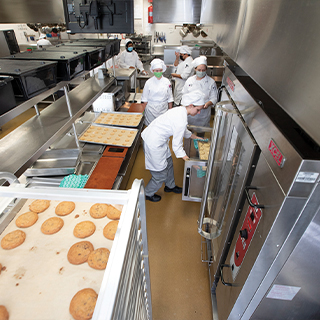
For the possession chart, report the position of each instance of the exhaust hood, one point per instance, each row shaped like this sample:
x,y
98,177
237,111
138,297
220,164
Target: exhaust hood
x,y
32,11
177,11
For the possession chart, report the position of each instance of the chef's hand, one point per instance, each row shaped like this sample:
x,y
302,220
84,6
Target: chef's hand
x,y
131,67
145,73
177,54
185,158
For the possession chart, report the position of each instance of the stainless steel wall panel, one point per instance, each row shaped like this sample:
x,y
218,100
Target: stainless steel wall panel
x,y
31,11
176,11
279,48
226,18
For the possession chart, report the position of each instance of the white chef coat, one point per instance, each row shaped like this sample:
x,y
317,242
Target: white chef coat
x,y
156,137
158,93
42,43
185,69
130,59
208,86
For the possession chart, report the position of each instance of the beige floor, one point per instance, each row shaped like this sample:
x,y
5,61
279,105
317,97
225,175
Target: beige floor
x,y
179,280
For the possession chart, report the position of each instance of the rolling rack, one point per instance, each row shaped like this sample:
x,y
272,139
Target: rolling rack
x,y
125,291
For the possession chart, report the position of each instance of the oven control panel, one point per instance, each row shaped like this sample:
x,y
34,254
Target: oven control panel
x,y
245,236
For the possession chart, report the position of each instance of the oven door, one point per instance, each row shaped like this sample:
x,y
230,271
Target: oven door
x,y
231,165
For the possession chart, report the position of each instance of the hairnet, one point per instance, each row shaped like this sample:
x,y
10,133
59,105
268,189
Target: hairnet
x,y
127,42
200,60
157,64
185,50
194,97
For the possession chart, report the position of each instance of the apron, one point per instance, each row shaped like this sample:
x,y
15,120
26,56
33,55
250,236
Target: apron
x,y
156,158
202,119
154,110
179,83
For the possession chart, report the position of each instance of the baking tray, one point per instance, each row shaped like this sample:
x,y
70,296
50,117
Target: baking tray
x,y
121,119
108,135
38,282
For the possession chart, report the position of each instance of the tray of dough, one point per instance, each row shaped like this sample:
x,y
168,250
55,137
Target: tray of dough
x,y
37,281
204,148
122,119
121,137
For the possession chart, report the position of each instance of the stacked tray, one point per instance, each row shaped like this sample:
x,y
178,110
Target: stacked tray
x,y
108,135
123,119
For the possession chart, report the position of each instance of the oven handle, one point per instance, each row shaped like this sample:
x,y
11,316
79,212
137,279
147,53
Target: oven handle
x,y
186,183
253,205
228,284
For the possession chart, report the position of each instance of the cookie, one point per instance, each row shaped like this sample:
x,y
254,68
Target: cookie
x,y
26,220
79,252
13,239
99,210
64,208
52,225
83,303
110,229
38,206
84,229
113,213
4,315
98,258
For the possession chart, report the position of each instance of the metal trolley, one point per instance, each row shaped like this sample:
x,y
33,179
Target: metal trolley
x,y
125,291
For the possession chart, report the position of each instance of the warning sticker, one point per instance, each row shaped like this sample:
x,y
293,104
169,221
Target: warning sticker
x,y
283,292
307,177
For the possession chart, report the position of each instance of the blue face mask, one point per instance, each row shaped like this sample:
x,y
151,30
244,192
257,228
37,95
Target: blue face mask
x,y
201,74
130,49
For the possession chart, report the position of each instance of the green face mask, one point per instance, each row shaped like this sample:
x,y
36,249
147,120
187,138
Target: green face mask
x,y
158,74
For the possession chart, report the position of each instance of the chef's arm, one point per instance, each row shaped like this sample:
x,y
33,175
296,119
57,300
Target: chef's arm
x,y
176,62
185,157
193,136
176,75
208,104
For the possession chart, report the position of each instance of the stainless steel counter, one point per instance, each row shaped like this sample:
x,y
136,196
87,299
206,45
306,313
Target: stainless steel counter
x,y
23,146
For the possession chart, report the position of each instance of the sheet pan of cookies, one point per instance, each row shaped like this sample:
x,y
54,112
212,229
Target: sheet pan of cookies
x,y
204,148
40,270
122,119
122,137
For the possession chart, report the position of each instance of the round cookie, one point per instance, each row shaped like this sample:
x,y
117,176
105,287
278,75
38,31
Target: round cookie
x,y
110,229
4,315
79,252
13,239
99,210
98,258
64,208
52,225
83,303
26,220
84,229
113,213
38,206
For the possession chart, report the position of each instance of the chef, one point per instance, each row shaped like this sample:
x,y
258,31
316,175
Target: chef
x,y
129,59
42,42
156,144
201,81
157,92
184,70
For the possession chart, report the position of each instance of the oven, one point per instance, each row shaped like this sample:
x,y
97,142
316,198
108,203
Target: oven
x,y
260,209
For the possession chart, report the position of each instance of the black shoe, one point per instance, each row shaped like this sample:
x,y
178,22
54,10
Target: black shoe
x,y
176,189
154,198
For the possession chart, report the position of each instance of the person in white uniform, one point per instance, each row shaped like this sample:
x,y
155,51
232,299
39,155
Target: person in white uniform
x,y
156,144
129,59
157,92
42,42
201,81
184,70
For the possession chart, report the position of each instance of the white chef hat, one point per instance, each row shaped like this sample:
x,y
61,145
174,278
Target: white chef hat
x,y
157,64
185,50
200,60
194,97
128,40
